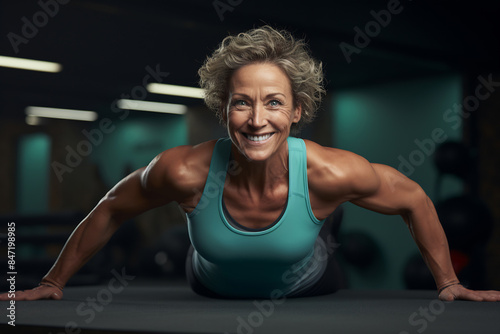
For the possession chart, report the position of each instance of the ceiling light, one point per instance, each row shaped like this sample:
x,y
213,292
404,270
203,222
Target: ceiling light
x,y
175,90
77,115
169,108
30,64
33,120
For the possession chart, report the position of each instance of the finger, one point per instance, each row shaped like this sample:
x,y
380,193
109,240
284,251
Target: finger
x,y
496,294
42,292
5,296
489,296
34,294
471,295
457,291
480,296
17,295
21,295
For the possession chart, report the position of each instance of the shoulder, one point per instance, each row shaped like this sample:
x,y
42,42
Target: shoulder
x,y
339,173
181,169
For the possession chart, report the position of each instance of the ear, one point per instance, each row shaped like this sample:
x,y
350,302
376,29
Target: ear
x,y
297,114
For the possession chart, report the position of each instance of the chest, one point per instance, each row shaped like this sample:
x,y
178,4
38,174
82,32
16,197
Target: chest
x,y
256,211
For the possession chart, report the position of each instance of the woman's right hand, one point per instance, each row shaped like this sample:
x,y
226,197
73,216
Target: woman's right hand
x,y
43,291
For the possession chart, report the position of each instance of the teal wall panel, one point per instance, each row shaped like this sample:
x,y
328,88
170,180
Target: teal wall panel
x,y
33,174
387,124
134,143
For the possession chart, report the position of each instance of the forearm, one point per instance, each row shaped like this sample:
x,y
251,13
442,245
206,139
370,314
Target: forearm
x,y
397,194
85,241
430,238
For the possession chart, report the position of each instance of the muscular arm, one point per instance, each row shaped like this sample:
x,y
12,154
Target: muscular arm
x,y
397,194
383,189
127,199
169,177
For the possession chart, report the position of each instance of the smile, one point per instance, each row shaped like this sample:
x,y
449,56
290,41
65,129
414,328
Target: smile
x,y
258,138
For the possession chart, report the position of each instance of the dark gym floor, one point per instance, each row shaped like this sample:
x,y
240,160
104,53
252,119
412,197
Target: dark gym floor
x,y
139,308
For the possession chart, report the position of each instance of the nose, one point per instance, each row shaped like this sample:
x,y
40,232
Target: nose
x,y
258,118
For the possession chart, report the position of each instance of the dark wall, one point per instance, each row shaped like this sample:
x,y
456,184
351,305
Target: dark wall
x,y
488,140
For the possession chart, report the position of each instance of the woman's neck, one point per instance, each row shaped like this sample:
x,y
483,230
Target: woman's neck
x,y
260,176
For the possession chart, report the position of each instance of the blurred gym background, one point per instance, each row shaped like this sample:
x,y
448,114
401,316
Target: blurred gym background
x,y
411,84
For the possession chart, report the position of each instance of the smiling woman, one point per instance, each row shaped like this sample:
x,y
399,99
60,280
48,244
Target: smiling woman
x,y
264,45
260,110
259,203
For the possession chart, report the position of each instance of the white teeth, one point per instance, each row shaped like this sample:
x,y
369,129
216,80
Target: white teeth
x,y
259,138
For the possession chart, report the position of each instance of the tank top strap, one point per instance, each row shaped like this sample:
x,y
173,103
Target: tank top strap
x,y
220,156
297,167
298,187
216,177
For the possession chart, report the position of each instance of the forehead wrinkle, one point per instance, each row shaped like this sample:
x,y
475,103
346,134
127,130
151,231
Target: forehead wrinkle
x,y
260,77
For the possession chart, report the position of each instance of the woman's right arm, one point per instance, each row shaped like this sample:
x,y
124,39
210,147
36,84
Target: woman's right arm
x,y
157,184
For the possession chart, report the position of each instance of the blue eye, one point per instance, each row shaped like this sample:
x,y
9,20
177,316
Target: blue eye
x,y
274,103
240,103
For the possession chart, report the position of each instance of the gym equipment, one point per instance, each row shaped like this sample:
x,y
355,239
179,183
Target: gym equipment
x,y
358,248
453,158
417,275
466,221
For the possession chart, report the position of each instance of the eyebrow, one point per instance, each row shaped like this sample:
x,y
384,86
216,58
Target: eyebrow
x,y
266,97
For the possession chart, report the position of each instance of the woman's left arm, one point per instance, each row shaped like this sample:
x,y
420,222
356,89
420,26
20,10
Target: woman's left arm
x,y
393,193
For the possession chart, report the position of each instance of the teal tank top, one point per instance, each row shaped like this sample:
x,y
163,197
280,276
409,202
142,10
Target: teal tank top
x,y
239,263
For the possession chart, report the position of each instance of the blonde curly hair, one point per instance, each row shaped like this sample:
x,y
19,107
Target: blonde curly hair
x,y
264,45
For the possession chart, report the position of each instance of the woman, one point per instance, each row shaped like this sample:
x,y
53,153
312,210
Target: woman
x,y
256,201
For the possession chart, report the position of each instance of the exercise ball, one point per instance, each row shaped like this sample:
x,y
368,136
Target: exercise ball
x,y
453,158
466,221
417,275
167,256
173,247
459,260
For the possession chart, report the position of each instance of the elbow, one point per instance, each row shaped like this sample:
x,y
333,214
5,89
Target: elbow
x,y
105,211
418,199
417,202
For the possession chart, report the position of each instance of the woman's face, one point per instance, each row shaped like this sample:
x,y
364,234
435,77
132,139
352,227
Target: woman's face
x,y
260,110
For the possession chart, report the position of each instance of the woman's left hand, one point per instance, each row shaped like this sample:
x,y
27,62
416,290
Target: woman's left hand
x,y
458,291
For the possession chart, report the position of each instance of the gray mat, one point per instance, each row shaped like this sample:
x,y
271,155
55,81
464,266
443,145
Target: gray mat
x,y
142,309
